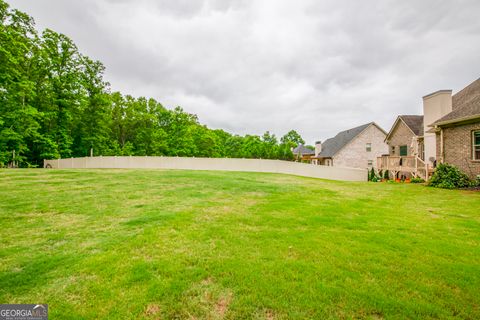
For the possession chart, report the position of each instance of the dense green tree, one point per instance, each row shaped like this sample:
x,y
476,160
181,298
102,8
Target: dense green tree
x,y
270,146
92,130
54,102
18,117
292,137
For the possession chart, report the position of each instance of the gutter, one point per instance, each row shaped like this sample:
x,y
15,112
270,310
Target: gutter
x,y
442,123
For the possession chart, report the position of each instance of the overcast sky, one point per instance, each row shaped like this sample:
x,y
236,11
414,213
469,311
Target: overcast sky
x,y
248,66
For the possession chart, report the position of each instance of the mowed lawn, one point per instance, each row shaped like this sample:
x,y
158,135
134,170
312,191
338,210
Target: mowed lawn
x,y
155,244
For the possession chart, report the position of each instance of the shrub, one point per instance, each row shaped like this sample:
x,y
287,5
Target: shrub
x,y
372,176
449,177
417,180
386,175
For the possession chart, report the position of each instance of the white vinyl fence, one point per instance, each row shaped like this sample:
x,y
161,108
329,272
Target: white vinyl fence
x,y
223,164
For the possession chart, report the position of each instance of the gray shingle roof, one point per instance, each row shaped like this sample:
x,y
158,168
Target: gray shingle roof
x,y
302,150
415,123
465,104
331,146
464,96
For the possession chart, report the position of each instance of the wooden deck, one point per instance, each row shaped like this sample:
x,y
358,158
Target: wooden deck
x,y
406,164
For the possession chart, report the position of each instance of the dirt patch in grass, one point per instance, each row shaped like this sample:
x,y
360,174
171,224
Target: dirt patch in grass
x,y
152,310
269,315
265,314
222,304
207,300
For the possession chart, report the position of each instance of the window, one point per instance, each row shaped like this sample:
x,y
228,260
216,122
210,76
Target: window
x,y
476,145
369,147
403,151
370,163
393,150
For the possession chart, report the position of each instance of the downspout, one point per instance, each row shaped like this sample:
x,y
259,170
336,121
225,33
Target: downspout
x,y
442,155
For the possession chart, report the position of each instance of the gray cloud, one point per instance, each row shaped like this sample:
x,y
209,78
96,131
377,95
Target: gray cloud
x,y
251,66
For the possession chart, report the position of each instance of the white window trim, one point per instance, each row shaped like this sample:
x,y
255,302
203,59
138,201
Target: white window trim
x,y
474,145
368,146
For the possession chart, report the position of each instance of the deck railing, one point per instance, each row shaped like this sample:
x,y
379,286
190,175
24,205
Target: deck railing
x,y
410,164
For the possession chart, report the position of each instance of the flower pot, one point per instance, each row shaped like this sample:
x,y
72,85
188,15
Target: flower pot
x,y
407,181
398,180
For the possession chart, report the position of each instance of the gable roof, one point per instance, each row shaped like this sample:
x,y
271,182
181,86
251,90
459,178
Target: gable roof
x,y
413,122
465,105
333,145
302,150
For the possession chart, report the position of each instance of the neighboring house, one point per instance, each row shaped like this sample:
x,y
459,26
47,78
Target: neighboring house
x,y
406,148
446,132
405,138
302,153
458,133
357,147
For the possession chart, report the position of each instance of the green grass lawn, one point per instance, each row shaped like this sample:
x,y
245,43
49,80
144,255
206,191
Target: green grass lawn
x,y
211,245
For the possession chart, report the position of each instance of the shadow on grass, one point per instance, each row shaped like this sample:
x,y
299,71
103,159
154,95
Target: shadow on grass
x,y
33,273
149,219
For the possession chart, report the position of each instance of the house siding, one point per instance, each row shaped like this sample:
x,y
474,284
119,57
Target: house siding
x,y
457,144
355,155
400,136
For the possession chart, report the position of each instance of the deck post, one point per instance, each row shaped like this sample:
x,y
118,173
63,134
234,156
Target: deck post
x,y
416,166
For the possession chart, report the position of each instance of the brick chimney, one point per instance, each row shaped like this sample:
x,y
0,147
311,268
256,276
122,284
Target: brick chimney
x,y
318,147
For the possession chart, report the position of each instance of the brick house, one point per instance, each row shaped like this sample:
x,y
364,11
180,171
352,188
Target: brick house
x,y
405,138
357,147
448,131
406,148
303,153
458,132
412,146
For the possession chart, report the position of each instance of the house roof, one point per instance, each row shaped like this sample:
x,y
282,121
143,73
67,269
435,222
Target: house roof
x,y
468,93
465,105
333,145
413,122
302,150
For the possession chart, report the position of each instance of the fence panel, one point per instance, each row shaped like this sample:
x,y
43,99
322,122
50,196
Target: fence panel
x,y
223,164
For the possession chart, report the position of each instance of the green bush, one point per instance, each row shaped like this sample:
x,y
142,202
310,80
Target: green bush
x,y
417,180
372,176
449,177
386,175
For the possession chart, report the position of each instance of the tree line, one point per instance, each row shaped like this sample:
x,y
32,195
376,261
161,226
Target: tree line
x,y
55,103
